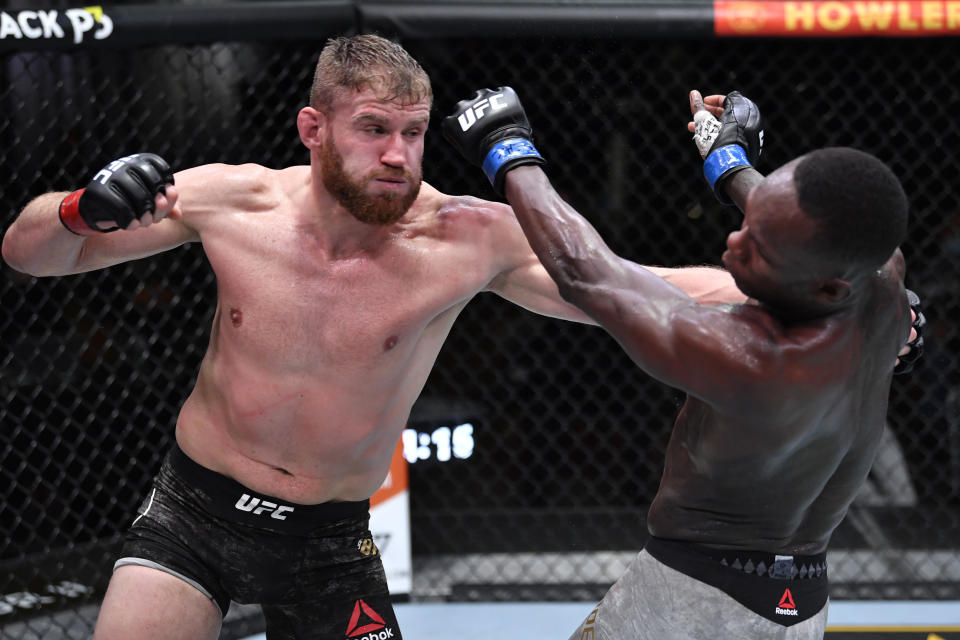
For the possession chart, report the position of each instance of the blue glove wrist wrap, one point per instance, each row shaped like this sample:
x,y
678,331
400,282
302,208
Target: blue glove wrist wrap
x,y
722,160
505,151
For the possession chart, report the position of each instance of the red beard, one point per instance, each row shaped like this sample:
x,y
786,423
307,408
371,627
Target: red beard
x,y
381,209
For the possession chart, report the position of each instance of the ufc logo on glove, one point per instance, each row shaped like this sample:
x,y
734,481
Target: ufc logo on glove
x,y
104,175
469,117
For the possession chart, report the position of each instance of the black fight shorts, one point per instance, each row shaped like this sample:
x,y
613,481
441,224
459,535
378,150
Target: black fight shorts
x,y
784,589
314,569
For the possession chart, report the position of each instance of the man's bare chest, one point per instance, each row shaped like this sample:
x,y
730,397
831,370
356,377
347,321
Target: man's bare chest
x,y
300,310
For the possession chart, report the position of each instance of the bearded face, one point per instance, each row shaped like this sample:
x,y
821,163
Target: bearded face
x,y
377,208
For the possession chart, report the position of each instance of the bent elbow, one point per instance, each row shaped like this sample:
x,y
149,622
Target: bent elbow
x,y
17,256
11,254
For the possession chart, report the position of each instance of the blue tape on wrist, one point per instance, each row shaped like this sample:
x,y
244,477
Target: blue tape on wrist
x,y
507,150
722,160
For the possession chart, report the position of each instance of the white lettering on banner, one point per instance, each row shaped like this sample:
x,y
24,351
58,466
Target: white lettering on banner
x,y
50,27
8,26
469,117
83,20
36,25
29,31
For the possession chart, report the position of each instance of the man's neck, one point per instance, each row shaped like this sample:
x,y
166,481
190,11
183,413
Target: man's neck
x,y
338,233
809,310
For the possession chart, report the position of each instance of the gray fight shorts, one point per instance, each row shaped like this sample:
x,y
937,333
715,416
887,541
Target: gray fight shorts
x,y
652,601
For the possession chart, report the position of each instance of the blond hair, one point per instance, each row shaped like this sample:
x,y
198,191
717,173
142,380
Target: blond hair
x,y
368,62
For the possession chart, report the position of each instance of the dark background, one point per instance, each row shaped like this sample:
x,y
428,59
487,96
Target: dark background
x,y
569,435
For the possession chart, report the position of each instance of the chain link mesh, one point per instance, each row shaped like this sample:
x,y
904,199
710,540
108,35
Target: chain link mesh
x,y
568,436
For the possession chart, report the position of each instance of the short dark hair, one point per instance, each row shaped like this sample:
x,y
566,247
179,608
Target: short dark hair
x,y
858,204
368,61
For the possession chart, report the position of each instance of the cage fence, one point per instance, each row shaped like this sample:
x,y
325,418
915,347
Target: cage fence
x,y
568,435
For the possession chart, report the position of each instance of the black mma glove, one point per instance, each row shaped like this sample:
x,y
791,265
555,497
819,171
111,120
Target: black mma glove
x,y
121,192
491,131
906,362
730,144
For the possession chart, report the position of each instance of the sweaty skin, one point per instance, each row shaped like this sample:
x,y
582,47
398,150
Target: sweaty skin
x,y
786,400
326,328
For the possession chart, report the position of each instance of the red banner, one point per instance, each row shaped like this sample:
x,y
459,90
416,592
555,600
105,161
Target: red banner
x,y
838,18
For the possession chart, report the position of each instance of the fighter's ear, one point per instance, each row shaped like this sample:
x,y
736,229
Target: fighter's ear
x,y
310,125
833,291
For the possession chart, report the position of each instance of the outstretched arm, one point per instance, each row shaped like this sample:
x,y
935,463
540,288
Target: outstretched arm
x,y
63,233
734,180
584,267
658,325
525,282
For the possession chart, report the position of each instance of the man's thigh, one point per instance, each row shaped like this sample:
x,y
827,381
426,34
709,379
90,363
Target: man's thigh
x,y
148,604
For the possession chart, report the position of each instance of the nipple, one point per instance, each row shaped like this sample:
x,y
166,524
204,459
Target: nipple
x,y
236,316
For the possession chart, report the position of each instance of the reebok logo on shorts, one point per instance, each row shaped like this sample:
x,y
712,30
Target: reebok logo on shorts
x,y
372,624
786,606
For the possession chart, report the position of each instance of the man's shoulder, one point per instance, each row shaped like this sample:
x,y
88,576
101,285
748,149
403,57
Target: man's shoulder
x,y
773,350
228,188
484,233
250,178
237,173
460,211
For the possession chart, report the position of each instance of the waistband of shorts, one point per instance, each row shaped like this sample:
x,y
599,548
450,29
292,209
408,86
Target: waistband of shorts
x,y
783,589
228,499
750,563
